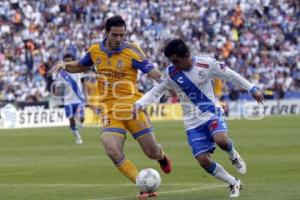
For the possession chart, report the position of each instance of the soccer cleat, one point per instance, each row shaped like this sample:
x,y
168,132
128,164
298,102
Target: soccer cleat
x,y
235,189
78,140
239,164
145,195
166,164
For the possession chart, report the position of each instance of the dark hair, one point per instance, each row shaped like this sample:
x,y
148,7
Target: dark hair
x,y
68,55
176,47
114,21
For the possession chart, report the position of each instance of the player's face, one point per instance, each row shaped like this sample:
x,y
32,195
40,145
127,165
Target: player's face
x,y
115,37
182,63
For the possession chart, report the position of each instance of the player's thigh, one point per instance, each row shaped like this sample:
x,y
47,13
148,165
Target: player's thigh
x,y
200,141
218,131
68,110
113,143
221,138
79,110
140,126
112,126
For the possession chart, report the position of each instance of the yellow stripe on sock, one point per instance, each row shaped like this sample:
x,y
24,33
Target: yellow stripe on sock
x,y
129,170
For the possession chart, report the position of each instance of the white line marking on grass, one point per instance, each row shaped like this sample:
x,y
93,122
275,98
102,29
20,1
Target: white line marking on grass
x,y
86,185
203,187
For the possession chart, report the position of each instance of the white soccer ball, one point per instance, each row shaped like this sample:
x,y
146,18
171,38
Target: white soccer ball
x,y
148,180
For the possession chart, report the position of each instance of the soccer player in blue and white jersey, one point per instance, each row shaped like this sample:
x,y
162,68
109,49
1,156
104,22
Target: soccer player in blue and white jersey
x,y
191,77
73,97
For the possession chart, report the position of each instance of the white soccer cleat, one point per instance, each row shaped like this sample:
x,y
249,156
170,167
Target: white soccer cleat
x,y
235,189
78,140
239,164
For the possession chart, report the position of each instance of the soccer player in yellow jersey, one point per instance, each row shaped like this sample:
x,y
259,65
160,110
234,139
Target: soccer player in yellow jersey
x,y
117,63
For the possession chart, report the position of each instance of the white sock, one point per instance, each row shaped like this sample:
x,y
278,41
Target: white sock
x,y
231,152
223,175
76,133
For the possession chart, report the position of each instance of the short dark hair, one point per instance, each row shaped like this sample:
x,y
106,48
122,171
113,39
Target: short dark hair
x,y
176,47
69,55
116,20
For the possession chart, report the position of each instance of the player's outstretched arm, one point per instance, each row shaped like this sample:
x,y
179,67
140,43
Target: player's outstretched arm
x,y
72,67
155,74
221,71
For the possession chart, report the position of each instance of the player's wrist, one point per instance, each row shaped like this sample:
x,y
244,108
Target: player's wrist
x,y
253,90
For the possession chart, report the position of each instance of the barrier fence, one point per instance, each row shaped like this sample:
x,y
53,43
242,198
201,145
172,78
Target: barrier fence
x,y
42,116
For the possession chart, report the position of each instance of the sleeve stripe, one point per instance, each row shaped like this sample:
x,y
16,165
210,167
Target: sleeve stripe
x,y
86,60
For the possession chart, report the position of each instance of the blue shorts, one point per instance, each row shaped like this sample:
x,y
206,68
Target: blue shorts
x,y
200,138
72,110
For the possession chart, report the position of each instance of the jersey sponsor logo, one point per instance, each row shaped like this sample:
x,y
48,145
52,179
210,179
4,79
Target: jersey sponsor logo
x,y
202,65
112,74
180,80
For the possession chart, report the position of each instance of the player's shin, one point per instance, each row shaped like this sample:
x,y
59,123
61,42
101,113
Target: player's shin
x,y
127,168
230,150
219,172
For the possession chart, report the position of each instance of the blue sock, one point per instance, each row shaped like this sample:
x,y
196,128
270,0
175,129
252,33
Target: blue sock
x,y
211,168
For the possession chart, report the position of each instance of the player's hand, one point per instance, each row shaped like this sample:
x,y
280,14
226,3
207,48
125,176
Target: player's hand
x,y
56,68
257,95
136,109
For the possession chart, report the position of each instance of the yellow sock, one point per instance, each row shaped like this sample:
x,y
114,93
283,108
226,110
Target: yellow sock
x,y
129,170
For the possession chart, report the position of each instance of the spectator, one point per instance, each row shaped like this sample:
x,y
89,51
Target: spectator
x,y
258,39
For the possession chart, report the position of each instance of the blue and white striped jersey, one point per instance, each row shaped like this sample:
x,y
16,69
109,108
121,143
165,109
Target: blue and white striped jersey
x,y
72,87
194,89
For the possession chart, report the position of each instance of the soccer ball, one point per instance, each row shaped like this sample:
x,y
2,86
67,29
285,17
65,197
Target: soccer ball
x,y
148,180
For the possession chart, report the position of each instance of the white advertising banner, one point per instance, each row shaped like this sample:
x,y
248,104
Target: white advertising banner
x,y
30,117
251,110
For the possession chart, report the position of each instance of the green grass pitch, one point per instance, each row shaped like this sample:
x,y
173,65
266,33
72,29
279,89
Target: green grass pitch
x,y
44,164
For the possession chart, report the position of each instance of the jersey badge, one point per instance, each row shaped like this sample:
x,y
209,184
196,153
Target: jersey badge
x,y
98,61
120,65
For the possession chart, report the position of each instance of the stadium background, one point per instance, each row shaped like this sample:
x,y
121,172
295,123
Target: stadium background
x,y
259,39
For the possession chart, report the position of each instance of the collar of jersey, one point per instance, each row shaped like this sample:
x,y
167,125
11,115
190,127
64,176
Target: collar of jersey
x,y
108,52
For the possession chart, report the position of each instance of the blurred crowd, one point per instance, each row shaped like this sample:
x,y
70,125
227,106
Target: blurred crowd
x,y
257,38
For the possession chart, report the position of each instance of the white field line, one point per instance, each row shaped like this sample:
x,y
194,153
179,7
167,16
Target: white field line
x,y
200,187
90,185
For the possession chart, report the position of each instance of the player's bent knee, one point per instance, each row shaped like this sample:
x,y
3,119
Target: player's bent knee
x,y
204,160
221,139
